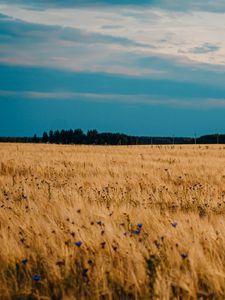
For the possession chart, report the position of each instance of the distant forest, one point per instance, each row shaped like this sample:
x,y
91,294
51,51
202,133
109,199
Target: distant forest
x,y
93,137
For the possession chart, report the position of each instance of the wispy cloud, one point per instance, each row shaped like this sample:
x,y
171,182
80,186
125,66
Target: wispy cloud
x,y
148,30
48,79
179,5
151,100
205,48
65,47
51,84
32,32
159,62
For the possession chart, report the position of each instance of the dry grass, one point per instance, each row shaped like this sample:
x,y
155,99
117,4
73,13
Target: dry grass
x,y
54,196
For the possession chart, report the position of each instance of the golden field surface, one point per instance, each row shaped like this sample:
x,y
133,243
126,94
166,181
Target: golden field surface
x,y
102,222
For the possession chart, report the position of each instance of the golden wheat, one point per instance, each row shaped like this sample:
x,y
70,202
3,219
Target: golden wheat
x,y
100,222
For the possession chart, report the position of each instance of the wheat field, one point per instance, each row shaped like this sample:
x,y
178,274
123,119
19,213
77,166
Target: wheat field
x,y
102,222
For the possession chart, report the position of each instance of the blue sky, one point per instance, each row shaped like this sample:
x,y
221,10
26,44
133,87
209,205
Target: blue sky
x,y
140,67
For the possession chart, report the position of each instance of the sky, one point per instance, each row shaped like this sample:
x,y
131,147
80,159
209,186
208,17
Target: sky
x,y
151,67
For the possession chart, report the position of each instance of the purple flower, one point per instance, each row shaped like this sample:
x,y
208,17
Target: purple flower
x,y
24,261
157,244
36,278
174,224
60,263
78,244
139,225
103,245
84,272
137,231
184,255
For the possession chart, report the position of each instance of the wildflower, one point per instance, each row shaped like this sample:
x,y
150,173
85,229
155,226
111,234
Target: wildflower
x,y
157,244
184,255
24,261
114,248
103,244
24,196
137,231
78,244
139,225
84,272
60,263
174,224
36,278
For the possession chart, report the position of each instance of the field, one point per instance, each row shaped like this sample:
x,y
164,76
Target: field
x,y
101,222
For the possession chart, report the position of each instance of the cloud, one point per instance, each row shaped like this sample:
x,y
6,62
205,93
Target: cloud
x,y
150,100
47,84
205,48
176,5
147,30
62,58
113,27
137,44
75,3
76,35
217,6
72,48
3,16
179,68
63,47
30,32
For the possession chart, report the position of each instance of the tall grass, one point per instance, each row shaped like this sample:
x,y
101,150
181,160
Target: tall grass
x,y
89,222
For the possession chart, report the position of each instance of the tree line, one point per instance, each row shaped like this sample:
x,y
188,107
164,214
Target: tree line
x,y
93,137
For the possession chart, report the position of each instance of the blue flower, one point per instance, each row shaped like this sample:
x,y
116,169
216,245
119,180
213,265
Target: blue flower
x,y
24,261
137,231
139,225
36,278
78,244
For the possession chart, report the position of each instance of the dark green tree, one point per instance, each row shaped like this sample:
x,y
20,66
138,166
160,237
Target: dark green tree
x,y
45,137
51,137
35,139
